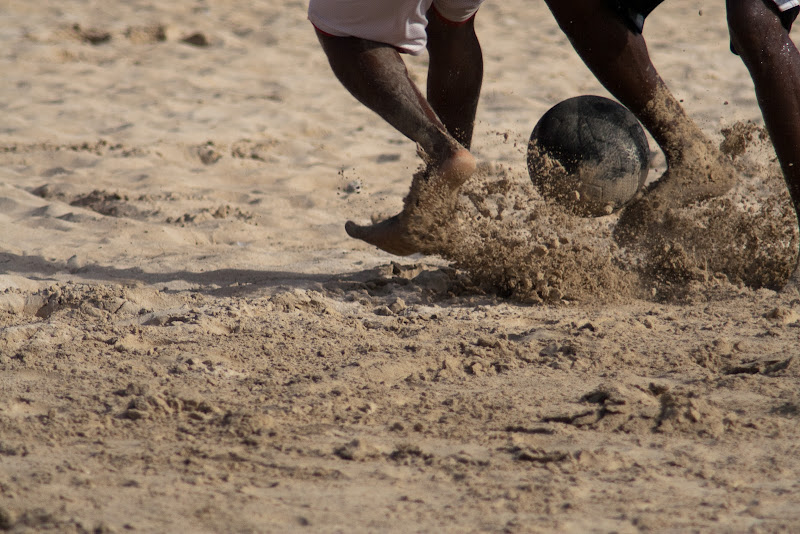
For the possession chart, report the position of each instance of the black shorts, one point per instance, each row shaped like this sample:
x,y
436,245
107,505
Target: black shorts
x,y
635,11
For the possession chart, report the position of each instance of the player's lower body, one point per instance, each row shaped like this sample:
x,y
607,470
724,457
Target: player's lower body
x,y
607,34
364,40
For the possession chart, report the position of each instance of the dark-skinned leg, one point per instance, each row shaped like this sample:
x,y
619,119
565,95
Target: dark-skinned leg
x,y
455,74
618,57
376,76
773,60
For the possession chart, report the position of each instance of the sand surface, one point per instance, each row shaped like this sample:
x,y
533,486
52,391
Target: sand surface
x,y
189,341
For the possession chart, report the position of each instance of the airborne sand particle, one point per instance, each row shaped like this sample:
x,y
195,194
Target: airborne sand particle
x,y
510,241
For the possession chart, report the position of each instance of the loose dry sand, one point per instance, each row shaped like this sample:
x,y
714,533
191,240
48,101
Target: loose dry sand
x,y
189,342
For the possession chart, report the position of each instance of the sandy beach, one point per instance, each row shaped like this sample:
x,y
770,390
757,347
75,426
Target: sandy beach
x,y
190,342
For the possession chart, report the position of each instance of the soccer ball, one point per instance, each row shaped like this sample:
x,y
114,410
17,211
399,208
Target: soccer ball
x,y
589,154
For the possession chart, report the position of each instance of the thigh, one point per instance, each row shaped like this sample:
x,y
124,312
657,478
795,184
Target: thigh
x,y
746,19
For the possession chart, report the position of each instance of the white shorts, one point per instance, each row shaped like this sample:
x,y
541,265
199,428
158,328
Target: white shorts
x,y
399,23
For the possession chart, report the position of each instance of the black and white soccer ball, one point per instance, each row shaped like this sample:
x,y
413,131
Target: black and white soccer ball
x,y
590,154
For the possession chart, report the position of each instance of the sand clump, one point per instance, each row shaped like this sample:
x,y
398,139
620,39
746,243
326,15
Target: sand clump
x,y
748,236
510,241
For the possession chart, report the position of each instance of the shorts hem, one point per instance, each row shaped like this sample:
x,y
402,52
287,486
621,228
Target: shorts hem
x,y
449,22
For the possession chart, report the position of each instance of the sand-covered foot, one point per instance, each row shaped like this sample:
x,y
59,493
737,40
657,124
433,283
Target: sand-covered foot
x,y
390,235
456,169
442,179
432,192
700,173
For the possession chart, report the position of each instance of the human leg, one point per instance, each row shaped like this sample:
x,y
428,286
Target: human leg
x,y
618,57
455,74
762,41
376,75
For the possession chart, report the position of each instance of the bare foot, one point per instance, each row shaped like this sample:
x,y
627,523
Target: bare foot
x,y
390,235
440,180
456,169
700,173
394,235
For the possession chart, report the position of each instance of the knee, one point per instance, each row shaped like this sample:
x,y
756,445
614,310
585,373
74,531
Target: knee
x,y
753,26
